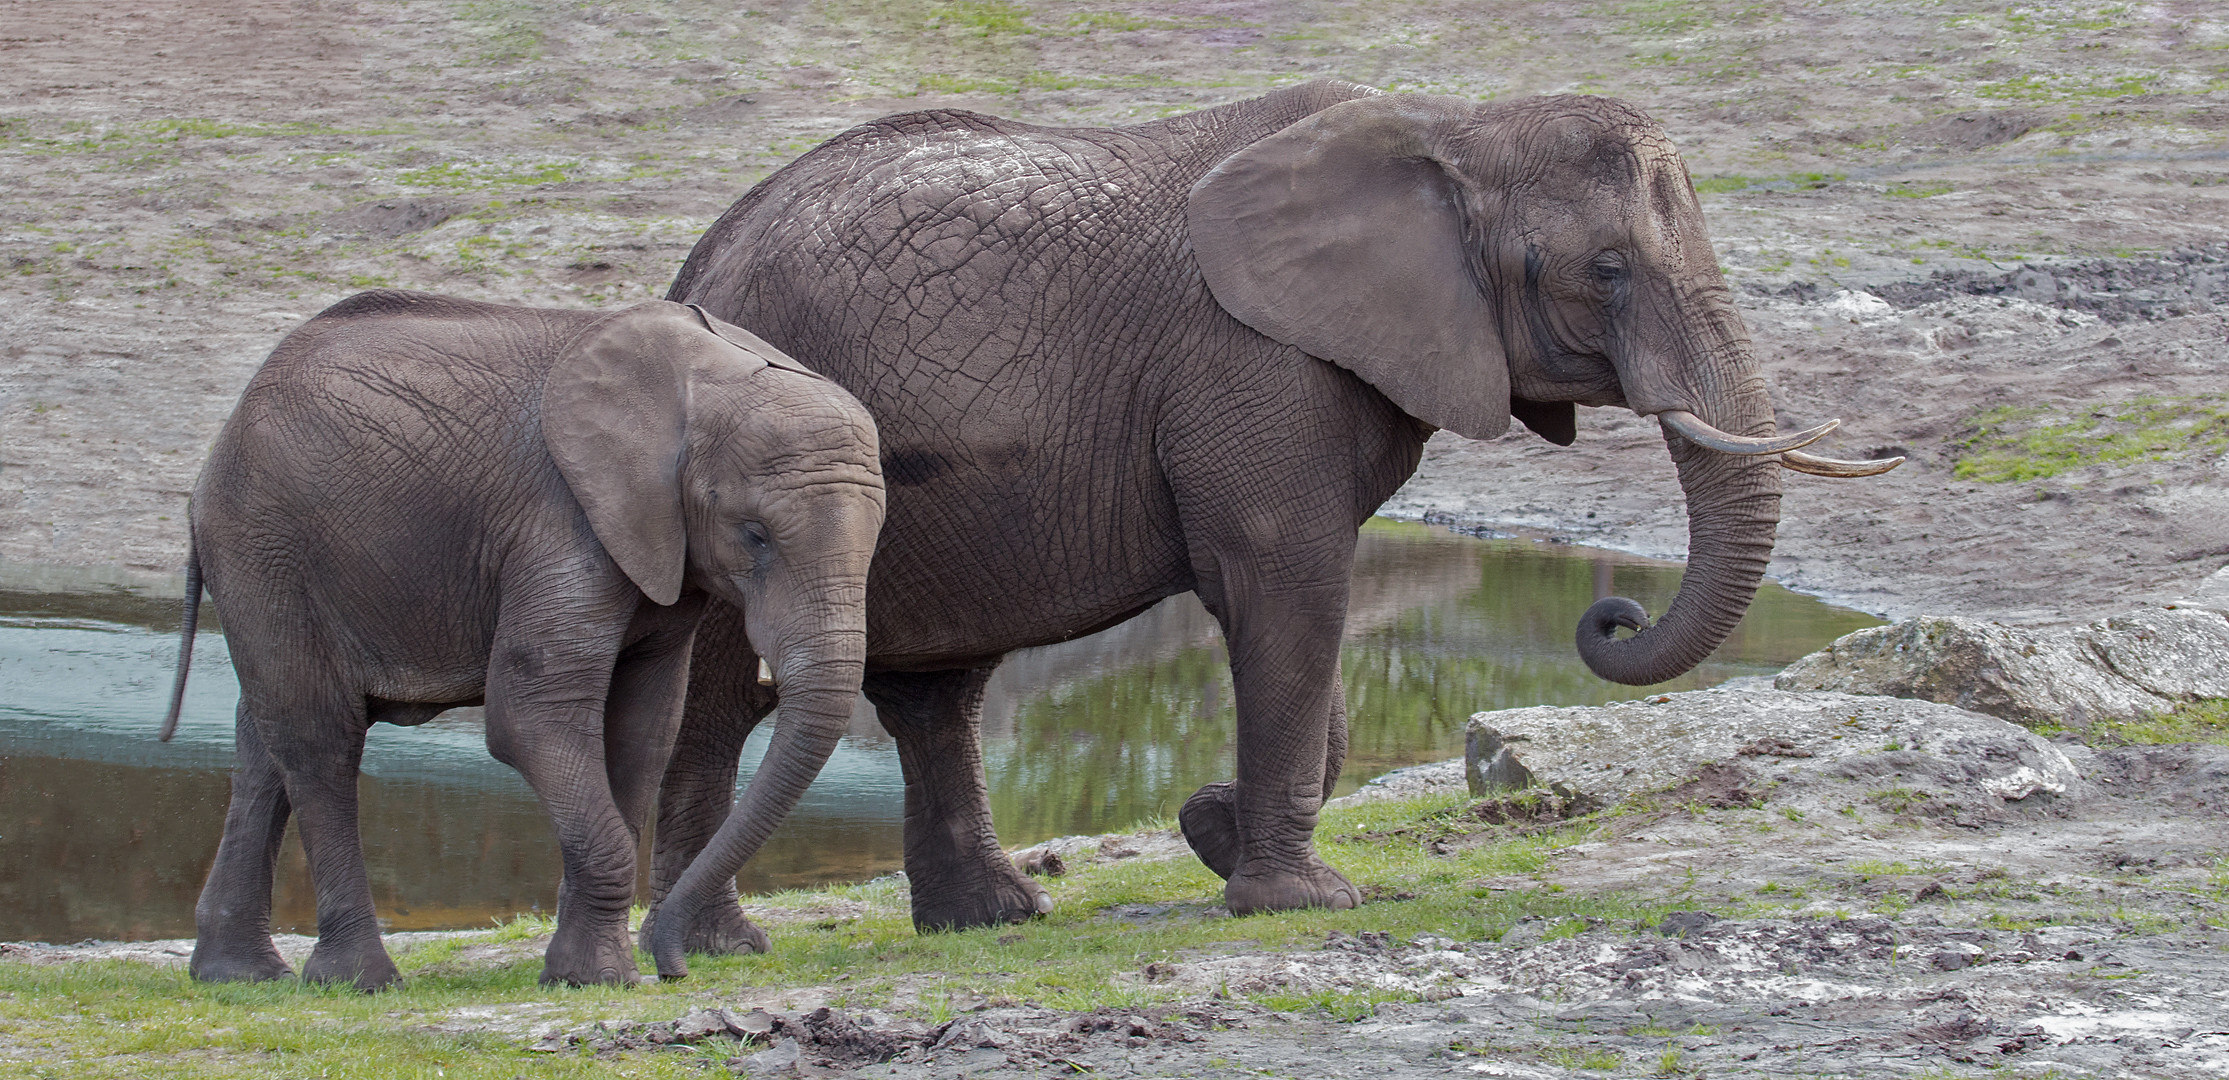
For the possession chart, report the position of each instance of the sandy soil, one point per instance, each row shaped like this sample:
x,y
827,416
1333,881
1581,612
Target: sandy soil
x,y
182,185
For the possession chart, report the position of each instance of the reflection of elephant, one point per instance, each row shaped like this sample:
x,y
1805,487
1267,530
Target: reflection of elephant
x,y
1096,358
423,502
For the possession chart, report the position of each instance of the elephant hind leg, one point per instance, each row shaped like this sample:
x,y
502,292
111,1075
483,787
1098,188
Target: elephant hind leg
x,y
232,920
961,878
317,741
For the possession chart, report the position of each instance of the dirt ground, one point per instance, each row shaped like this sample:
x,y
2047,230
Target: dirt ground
x,y
180,185
1965,229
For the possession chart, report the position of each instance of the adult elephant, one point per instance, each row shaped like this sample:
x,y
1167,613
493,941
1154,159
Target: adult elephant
x,y
1110,365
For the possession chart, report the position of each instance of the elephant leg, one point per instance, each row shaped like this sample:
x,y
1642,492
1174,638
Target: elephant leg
x,y
546,718
725,703
232,920
1277,581
319,747
961,877
1209,819
642,713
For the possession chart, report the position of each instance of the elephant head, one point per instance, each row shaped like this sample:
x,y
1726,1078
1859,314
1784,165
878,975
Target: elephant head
x,y
1474,262
703,456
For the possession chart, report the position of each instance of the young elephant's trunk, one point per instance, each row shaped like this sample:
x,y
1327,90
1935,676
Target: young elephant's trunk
x,y
817,696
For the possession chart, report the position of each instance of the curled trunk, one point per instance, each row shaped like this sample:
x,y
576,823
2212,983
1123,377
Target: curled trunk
x,y
1733,509
815,709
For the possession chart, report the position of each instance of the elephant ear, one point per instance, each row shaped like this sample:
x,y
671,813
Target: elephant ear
x,y
615,416
1344,235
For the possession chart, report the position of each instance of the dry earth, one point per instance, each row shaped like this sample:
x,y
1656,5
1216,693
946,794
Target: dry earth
x,y
1944,222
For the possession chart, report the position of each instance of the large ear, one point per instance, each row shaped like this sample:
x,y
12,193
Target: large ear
x,y
1345,235
615,416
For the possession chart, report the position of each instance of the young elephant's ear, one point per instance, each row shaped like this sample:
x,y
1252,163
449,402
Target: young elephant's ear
x,y
615,416
1345,235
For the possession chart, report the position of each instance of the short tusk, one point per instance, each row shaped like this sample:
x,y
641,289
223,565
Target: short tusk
x,y
1823,466
1694,430
766,674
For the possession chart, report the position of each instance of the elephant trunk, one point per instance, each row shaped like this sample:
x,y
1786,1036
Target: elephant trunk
x,y
1733,506
819,684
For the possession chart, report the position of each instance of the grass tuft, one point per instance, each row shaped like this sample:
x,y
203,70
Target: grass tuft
x,y
2012,443
2204,721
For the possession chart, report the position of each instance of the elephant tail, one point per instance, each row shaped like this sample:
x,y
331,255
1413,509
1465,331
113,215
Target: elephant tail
x,y
186,623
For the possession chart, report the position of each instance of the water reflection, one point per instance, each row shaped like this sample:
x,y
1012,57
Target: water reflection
x,y
106,833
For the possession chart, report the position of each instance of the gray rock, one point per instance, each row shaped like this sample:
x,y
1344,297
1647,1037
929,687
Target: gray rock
x,y
2211,594
2127,667
706,1023
781,1057
970,1034
1432,778
1754,742
1489,767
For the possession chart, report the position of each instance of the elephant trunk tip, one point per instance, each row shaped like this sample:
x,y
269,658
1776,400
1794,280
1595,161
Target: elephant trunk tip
x,y
666,946
1600,647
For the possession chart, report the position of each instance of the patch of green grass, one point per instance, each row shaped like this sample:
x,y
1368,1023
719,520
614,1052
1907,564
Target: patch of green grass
x,y
2080,17
454,174
1720,185
1918,189
2015,442
503,31
1898,868
1662,17
2204,721
1596,1060
1345,1006
2064,88
981,17
1898,800
1032,80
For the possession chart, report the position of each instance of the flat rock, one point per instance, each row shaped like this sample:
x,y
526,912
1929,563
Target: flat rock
x,y
1746,746
2126,667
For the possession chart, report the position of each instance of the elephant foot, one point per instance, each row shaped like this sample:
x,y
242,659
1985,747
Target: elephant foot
x,y
1315,885
1000,896
239,963
722,930
366,966
1209,822
602,956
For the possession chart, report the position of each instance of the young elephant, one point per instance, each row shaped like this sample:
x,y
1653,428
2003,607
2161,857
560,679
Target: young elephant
x,y
422,503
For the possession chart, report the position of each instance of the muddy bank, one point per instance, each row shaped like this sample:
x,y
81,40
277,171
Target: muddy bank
x,y
1927,212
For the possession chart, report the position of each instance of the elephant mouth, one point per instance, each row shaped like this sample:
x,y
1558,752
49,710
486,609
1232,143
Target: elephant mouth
x,y
1787,448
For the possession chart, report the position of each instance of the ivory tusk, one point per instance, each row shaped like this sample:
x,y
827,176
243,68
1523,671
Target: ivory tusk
x,y
766,674
1693,429
1823,466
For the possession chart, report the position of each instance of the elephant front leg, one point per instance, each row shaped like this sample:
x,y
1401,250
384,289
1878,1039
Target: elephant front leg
x,y
725,703
961,877
550,726
1209,819
1279,587
232,920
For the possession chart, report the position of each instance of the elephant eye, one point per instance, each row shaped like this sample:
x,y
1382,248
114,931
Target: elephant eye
x,y
754,536
1608,268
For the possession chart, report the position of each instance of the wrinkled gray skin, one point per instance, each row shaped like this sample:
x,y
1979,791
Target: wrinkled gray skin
x,y
1097,359
422,503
